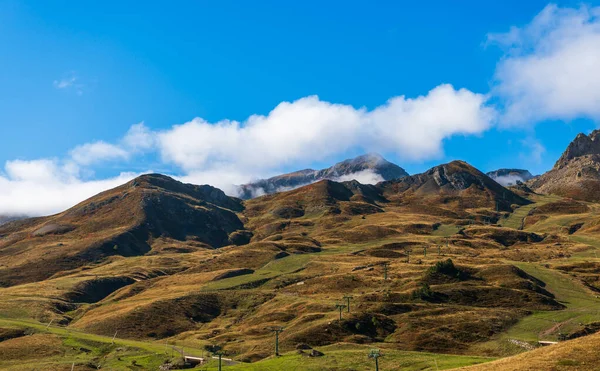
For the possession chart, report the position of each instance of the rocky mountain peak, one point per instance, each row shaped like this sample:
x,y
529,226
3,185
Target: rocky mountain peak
x,y
582,145
455,178
205,192
457,174
577,173
368,168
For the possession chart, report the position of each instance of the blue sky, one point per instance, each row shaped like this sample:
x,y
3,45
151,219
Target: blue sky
x,y
76,76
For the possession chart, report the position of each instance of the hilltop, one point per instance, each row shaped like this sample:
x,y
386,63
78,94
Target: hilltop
x,y
152,212
456,181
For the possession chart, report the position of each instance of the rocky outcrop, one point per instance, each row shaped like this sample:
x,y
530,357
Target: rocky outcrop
x,y
582,145
577,172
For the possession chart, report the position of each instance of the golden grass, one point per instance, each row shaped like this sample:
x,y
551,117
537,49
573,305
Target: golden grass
x,y
304,266
579,354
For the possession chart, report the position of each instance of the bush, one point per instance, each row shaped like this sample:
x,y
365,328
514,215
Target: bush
x,y
423,292
447,268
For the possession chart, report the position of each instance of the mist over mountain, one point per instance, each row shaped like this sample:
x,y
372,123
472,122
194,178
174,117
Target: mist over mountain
x,y
9,218
508,177
367,169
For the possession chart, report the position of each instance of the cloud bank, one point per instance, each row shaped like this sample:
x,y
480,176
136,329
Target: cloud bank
x,y
508,180
43,187
310,129
550,69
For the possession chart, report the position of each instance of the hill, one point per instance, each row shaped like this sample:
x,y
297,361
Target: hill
x,y
579,354
443,268
457,181
151,212
372,167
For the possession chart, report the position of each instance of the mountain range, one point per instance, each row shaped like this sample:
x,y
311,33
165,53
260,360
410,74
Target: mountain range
x,y
451,261
369,168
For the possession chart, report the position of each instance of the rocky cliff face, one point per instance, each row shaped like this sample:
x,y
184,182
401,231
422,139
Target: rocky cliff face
x,y
369,168
582,145
577,172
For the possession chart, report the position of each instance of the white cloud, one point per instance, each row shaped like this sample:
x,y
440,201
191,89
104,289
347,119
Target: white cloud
x,y
42,187
365,177
38,170
309,130
225,178
70,81
415,128
46,186
508,180
550,69
535,151
139,138
90,153
65,83
303,129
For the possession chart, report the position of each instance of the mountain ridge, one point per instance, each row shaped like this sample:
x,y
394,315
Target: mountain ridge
x,y
371,165
455,178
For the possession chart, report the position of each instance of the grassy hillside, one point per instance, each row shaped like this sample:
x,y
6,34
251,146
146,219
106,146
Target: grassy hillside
x,y
353,357
579,354
438,276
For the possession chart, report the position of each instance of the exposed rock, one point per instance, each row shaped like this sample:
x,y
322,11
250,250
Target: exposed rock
x,y
53,228
582,145
577,173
